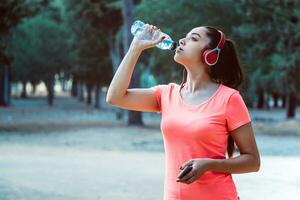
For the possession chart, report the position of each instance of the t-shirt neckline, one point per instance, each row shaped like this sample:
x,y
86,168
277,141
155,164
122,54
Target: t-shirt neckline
x,y
204,102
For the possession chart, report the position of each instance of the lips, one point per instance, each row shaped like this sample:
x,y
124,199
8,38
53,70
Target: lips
x,y
179,48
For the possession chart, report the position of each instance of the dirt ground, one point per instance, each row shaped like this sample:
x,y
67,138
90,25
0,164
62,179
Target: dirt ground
x,y
72,151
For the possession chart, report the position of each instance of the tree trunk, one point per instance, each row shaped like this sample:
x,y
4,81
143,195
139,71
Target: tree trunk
x,y
267,102
283,101
33,88
114,50
50,89
97,96
135,117
261,100
275,97
24,90
115,56
74,90
89,94
127,13
292,105
4,86
80,91
63,85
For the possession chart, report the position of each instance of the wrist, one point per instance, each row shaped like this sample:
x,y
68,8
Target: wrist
x,y
135,50
211,164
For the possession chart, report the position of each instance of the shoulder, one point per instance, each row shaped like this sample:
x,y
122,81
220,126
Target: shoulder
x,y
229,93
167,89
173,85
233,98
163,88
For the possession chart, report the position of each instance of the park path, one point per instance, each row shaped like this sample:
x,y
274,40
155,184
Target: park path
x,y
72,151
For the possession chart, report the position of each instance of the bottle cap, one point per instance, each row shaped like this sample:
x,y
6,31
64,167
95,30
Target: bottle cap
x,y
174,45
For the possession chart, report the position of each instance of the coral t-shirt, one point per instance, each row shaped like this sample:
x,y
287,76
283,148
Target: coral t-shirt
x,y
198,131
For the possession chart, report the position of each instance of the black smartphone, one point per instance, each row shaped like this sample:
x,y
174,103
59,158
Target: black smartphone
x,y
184,171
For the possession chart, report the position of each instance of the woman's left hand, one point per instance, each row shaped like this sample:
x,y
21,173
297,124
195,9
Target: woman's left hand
x,y
200,166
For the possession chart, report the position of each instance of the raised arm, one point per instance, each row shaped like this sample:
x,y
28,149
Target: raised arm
x,y
118,94
120,82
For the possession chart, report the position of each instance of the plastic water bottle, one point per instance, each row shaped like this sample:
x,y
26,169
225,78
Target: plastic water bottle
x,y
138,27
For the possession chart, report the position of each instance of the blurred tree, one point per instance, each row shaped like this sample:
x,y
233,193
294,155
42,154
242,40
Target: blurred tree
x,y
135,117
270,37
96,23
12,13
264,56
40,49
176,18
92,31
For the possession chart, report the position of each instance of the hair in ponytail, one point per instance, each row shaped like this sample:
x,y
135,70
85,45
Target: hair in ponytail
x,y
226,71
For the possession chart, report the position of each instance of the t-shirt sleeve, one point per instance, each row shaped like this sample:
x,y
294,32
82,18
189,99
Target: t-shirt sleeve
x,y
159,90
236,113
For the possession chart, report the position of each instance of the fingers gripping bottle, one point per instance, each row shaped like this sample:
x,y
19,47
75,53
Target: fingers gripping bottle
x,y
138,27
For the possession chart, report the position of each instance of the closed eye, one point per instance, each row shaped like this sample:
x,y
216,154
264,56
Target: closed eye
x,y
194,39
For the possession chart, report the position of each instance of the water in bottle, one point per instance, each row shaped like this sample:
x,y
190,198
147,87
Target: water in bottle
x,y
138,27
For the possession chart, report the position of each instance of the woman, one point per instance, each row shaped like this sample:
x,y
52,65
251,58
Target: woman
x,y
201,118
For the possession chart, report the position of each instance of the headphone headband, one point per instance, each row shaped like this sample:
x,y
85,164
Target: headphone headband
x,y
222,40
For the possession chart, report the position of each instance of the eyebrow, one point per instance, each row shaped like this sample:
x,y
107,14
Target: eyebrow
x,y
194,34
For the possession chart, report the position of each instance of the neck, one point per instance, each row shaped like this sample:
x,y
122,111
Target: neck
x,y
197,79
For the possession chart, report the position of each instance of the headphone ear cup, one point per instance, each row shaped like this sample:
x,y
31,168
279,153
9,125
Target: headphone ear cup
x,y
204,55
210,57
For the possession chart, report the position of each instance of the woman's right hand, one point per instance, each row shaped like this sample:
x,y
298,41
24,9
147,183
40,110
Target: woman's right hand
x,y
142,44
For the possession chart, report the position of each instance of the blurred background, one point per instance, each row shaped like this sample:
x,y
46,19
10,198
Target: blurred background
x,y
59,139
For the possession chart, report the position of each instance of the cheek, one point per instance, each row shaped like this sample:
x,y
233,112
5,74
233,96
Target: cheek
x,y
193,53
190,54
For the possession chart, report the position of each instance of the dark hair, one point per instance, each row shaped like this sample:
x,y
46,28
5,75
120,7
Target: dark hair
x,y
226,71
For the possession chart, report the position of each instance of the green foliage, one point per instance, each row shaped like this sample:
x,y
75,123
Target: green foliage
x,y
39,47
176,18
266,33
74,36
270,39
95,22
68,37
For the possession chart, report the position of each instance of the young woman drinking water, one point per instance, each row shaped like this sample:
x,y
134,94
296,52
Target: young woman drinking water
x,y
201,119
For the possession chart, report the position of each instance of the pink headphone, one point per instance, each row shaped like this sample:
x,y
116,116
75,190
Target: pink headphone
x,y
211,56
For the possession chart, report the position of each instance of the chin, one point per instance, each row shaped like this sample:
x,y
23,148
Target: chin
x,y
178,59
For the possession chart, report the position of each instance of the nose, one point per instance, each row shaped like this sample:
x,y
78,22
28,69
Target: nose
x,y
181,41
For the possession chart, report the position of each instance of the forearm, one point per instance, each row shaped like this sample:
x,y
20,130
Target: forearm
x,y
240,164
122,77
